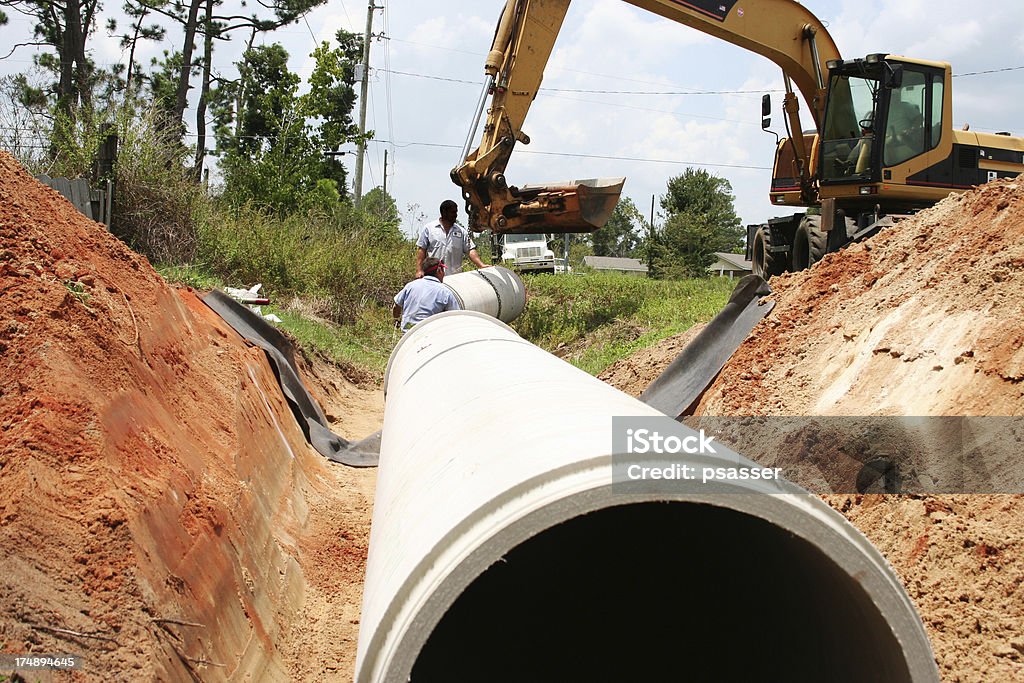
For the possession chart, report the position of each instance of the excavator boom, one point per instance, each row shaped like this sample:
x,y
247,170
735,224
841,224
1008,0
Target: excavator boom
x,y
782,30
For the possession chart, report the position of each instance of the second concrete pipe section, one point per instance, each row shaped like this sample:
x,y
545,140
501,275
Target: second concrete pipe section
x,y
500,551
495,291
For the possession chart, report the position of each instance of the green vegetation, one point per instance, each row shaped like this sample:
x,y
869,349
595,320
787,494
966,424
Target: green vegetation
x,y
272,140
78,290
621,236
195,275
278,210
365,343
344,260
701,220
594,320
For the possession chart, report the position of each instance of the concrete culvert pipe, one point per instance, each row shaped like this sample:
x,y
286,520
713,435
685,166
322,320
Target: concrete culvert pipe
x,y
499,550
495,291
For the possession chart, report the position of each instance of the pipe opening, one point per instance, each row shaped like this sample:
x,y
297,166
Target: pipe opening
x,y
663,591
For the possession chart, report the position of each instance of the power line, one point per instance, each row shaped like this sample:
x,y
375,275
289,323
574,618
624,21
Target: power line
x,y
591,73
599,92
582,156
438,47
311,34
387,85
990,71
663,92
658,111
548,92
367,158
344,11
550,67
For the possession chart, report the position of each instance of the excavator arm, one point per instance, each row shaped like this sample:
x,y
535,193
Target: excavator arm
x,y
784,31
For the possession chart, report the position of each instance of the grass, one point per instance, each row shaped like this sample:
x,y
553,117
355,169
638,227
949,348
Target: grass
x,y
336,258
331,281
596,319
366,343
330,276
590,320
194,275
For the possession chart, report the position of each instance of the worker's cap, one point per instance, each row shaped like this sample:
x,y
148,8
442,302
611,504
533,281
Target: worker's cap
x,y
432,265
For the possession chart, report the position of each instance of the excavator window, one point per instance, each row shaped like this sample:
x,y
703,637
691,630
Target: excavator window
x,y
848,133
935,114
905,132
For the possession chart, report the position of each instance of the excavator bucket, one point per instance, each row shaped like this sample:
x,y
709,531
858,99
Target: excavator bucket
x,y
577,206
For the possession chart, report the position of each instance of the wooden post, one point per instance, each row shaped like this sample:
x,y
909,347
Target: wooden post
x,y
105,170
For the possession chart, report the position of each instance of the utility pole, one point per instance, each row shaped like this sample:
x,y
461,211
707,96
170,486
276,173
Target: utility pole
x,y
650,242
385,171
362,103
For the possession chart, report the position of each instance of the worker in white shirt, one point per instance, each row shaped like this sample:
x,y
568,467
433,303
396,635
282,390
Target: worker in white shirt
x,y
447,241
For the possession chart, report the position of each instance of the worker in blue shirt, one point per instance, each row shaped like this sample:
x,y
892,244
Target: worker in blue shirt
x,y
423,297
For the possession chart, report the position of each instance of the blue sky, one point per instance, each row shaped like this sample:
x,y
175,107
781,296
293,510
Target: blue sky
x,y
426,77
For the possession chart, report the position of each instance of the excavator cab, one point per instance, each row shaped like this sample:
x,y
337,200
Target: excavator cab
x,y
880,113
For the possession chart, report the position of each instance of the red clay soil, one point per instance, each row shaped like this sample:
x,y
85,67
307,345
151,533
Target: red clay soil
x,y
160,512
922,319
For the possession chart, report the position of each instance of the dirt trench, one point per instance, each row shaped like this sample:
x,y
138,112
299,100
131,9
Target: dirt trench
x,y
161,514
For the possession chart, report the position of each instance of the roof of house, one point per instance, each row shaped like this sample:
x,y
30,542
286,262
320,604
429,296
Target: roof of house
x,y
734,259
614,263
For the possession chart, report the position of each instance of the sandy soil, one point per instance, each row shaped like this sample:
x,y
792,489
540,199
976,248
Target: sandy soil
x,y
924,319
338,536
161,515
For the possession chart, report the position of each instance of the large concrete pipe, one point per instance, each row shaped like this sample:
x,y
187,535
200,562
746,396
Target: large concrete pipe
x,y
499,550
496,291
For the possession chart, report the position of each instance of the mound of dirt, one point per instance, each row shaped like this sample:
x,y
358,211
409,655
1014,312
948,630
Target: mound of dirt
x,y
160,512
922,319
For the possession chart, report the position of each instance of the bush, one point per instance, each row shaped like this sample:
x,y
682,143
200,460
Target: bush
x,y
336,258
155,194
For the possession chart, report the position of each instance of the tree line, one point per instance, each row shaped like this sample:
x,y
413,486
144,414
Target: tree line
x,y
275,146
698,218
276,138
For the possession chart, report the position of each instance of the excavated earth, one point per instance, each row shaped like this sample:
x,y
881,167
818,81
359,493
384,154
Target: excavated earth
x,y
160,512
162,516
924,319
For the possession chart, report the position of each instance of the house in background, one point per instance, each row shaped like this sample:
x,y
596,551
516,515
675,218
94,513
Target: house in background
x,y
730,265
629,266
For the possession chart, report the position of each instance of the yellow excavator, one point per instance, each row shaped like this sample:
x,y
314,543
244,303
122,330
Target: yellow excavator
x,y
881,148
